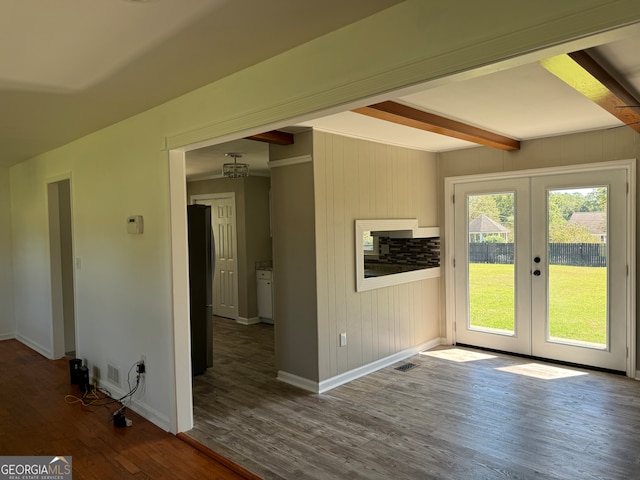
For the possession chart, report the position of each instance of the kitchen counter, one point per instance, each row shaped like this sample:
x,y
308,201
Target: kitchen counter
x,y
378,270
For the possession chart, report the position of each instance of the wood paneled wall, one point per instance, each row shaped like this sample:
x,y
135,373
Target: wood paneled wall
x,y
359,179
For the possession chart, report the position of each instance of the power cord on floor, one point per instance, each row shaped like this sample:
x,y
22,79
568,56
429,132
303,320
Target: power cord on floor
x,y
101,397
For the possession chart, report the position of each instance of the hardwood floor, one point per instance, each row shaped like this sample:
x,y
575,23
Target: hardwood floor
x,y
35,420
459,414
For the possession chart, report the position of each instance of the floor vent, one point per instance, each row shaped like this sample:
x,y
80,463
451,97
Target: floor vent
x,y
406,366
113,373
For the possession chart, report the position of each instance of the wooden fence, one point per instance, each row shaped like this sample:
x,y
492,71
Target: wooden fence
x,y
577,254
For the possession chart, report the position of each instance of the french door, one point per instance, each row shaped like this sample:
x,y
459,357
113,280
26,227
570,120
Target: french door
x,y
541,266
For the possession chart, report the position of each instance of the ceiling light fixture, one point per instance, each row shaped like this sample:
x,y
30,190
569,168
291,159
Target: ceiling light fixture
x,y
235,169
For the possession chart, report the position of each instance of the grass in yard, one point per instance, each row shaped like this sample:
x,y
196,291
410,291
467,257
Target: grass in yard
x,y
577,300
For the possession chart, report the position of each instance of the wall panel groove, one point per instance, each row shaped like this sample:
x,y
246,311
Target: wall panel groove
x,y
361,179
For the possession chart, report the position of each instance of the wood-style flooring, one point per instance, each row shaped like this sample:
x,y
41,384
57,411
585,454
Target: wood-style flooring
x,y
459,414
36,420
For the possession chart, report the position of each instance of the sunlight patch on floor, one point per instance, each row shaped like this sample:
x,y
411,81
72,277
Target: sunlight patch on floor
x,y
457,355
544,372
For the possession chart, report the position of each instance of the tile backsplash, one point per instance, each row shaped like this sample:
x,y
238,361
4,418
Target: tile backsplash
x,y
419,252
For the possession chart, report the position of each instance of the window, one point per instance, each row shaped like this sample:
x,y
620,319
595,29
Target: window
x,y
369,243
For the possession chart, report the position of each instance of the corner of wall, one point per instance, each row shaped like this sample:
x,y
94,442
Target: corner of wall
x,y
8,325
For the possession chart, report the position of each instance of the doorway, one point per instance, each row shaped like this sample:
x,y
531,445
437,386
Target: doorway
x,y
62,265
541,266
225,277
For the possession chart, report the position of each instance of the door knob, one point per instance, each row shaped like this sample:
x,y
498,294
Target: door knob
x,y
536,273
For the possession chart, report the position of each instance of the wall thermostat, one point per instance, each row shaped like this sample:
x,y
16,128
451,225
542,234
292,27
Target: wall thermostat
x,y
135,225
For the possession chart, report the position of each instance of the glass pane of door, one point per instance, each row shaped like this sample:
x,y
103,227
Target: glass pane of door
x,y
491,262
577,251
579,268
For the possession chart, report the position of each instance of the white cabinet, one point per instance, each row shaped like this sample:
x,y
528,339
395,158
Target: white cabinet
x,y
265,295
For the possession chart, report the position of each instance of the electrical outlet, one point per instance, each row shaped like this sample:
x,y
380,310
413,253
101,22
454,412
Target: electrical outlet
x,y
343,339
142,365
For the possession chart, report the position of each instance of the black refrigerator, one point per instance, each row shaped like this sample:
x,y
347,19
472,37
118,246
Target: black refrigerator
x,y
201,264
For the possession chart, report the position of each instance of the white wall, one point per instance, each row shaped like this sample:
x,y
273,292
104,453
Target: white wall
x,y
7,316
358,179
123,303
124,288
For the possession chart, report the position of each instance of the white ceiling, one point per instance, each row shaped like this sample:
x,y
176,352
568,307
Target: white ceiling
x,y
70,67
524,103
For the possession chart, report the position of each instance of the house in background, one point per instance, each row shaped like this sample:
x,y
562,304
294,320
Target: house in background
x,y
483,226
130,291
594,222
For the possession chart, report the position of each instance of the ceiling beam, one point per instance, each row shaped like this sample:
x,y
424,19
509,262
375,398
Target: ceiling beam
x,y
277,137
412,117
583,73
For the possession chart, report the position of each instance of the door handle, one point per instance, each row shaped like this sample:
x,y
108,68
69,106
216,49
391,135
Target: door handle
x,y
536,273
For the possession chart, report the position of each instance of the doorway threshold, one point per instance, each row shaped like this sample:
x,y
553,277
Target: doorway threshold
x,y
542,359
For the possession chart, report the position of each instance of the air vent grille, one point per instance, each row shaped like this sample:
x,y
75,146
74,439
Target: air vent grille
x,y
406,366
113,373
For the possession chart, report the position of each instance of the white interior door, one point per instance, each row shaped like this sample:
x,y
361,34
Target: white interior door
x,y
225,279
541,266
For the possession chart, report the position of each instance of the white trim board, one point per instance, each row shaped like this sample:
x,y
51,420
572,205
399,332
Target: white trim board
x,y
286,162
141,408
248,321
346,377
45,352
7,336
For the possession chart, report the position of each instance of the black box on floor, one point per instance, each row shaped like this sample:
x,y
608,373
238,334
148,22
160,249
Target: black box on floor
x,y
83,378
74,370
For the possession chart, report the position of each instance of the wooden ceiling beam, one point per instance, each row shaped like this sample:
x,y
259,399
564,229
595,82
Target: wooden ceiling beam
x,y
277,137
583,73
412,117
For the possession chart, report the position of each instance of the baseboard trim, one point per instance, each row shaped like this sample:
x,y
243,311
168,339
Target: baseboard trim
x,y
140,407
351,375
45,352
637,377
7,336
346,377
248,321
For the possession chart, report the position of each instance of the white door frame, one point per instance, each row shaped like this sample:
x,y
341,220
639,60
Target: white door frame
x,y
218,196
448,256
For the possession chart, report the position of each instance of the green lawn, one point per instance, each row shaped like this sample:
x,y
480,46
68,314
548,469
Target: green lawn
x,y
577,300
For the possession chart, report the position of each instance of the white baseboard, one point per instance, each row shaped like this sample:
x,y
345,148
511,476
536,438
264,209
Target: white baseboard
x,y
7,336
248,321
346,377
637,377
45,352
138,406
